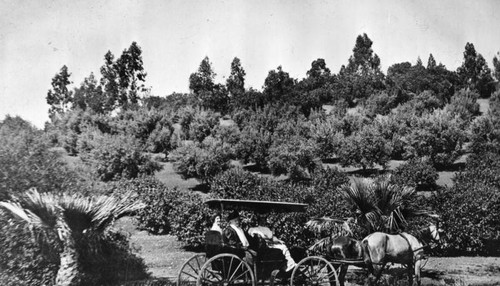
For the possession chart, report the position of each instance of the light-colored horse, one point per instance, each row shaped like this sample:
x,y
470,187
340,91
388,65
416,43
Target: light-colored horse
x,y
380,248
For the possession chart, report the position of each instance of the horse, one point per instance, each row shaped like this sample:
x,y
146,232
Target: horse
x,y
339,248
381,248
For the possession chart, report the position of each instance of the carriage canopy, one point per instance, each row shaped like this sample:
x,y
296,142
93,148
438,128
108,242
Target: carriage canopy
x,y
256,206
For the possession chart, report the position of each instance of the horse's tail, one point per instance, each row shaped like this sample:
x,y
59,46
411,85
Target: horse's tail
x,y
366,255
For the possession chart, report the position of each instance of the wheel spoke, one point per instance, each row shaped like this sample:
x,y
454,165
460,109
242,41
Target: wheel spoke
x,y
331,276
213,274
230,267
321,267
190,275
198,262
309,271
242,274
191,266
234,272
223,268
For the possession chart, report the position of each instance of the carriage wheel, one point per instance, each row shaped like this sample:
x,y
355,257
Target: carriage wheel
x,y
190,270
226,269
314,270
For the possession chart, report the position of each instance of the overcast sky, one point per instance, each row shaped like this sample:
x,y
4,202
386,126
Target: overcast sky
x,y
38,37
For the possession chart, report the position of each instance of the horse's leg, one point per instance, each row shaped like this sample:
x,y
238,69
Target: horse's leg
x,y
368,262
409,269
379,271
417,266
342,273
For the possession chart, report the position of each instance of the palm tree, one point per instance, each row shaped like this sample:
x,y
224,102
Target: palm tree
x,y
75,219
377,206
382,206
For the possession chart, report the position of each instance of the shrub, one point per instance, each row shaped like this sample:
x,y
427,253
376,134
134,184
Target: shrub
x,y
190,218
424,102
438,135
269,117
202,125
228,134
392,128
161,139
380,103
85,141
118,156
464,105
494,105
236,183
328,136
418,173
299,127
170,211
352,123
140,123
185,116
185,159
26,162
364,149
76,121
242,117
202,161
293,156
154,217
470,209
485,134
24,261
254,146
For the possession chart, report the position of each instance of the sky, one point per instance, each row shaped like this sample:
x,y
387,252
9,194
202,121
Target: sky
x,y
38,37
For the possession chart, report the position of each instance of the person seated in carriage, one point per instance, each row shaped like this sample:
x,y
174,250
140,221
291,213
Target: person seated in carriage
x,y
264,232
216,225
234,236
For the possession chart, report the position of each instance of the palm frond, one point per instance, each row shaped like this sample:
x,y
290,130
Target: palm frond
x,y
360,195
97,214
381,205
43,206
34,208
16,210
320,247
335,227
37,224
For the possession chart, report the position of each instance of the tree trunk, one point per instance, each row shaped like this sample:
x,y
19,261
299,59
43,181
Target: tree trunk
x,y
68,273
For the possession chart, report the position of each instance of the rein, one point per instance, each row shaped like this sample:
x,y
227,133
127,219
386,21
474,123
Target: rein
x,y
424,246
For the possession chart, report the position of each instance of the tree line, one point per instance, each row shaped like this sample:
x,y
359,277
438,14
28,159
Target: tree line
x,y
122,82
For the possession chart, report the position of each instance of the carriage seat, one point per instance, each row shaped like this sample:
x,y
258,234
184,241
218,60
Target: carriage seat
x,y
214,244
268,258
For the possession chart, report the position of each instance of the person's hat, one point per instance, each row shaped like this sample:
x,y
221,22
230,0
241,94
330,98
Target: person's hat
x,y
233,215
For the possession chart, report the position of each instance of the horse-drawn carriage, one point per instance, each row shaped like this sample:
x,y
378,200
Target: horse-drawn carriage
x,y
325,264
225,265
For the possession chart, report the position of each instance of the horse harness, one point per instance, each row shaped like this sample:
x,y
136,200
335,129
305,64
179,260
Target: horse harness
x,y
412,251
